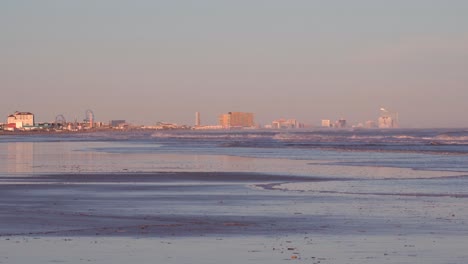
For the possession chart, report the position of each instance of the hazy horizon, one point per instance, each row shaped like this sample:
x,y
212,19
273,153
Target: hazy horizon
x,y
148,61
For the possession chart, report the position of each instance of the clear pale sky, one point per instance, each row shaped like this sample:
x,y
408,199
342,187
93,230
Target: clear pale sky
x,y
147,61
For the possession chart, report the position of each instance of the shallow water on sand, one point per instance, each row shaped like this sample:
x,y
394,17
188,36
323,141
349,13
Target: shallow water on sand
x,y
35,158
256,197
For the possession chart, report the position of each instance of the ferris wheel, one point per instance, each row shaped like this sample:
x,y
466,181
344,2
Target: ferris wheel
x,y
60,121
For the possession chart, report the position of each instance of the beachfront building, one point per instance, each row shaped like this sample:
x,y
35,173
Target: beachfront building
x,y
19,120
370,124
208,127
340,123
386,122
326,123
285,123
117,123
236,120
388,119
197,119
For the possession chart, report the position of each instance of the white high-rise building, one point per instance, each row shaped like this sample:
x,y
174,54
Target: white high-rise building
x,y
388,119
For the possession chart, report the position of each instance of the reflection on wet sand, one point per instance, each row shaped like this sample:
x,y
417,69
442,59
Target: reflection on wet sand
x,y
80,157
20,157
39,157
334,214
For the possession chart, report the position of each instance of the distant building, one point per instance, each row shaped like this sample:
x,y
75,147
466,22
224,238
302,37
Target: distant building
x,y
89,118
388,119
117,123
386,122
197,119
224,120
20,120
283,123
168,126
370,124
326,123
207,127
236,119
340,123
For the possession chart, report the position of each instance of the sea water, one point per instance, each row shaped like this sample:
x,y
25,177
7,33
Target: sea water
x,y
384,196
397,161
404,153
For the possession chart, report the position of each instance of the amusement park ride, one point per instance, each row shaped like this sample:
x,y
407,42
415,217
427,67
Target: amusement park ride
x,y
88,121
60,121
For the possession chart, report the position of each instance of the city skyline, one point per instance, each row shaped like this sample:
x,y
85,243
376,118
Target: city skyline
x,y
27,120
164,61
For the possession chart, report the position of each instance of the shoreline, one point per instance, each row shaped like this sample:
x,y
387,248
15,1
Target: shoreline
x,y
198,217
169,176
69,132
190,204
84,204
64,204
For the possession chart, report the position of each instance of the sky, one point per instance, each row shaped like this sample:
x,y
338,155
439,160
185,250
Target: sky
x,y
147,61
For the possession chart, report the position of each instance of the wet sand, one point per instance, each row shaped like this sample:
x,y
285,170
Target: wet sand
x,y
147,204
198,217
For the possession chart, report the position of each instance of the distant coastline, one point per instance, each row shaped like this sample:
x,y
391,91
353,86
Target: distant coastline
x,y
58,132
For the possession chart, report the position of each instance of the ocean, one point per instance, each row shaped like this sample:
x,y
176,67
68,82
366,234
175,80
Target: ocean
x,y
417,149
265,196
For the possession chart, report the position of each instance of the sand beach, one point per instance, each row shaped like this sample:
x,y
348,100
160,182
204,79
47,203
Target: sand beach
x,y
100,201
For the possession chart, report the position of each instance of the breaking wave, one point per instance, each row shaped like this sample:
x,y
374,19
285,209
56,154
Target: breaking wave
x,y
453,137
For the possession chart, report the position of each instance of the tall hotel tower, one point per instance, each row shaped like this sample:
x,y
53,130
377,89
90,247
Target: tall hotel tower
x,y
388,119
197,119
236,120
